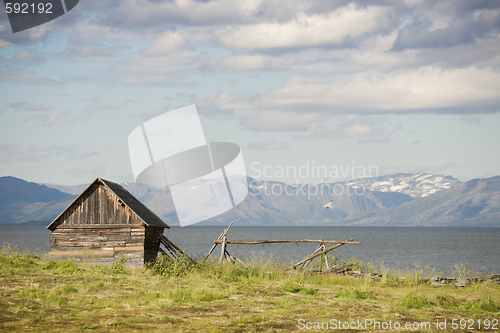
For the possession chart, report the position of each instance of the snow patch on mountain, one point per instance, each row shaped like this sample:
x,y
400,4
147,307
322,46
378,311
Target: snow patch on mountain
x,y
415,185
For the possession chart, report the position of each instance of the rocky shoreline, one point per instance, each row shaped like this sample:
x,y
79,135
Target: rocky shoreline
x,y
434,281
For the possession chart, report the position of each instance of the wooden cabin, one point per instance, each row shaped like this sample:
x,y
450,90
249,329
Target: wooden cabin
x,y
106,223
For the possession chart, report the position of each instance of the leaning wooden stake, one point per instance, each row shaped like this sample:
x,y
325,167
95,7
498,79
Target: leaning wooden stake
x,y
175,252
223,250
326,257
218,239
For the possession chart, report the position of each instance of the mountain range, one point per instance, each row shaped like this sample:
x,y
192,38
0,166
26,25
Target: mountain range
x,y
393,200
22,201
415,185
473,203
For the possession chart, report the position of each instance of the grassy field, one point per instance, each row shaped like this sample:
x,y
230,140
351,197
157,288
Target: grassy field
x,y
38,295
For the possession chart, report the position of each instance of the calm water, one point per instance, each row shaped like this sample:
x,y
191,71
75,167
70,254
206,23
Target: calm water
x,y
397,247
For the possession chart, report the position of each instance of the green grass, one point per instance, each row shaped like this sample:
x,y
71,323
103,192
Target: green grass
x,y
38,295
412,301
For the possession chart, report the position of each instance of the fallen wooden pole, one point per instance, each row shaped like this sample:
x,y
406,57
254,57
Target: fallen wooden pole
x,y
236,259
320,248
320,253
219,241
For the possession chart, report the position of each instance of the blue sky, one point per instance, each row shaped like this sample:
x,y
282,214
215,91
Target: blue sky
x,y
406,86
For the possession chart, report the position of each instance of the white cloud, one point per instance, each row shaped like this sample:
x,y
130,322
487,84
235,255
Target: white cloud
x,y
137,14
167,43
250,62
7,38
301,101
310,30
402,91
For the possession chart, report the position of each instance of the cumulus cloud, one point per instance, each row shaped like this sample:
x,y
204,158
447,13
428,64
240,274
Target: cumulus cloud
x,y
406,91
166,44
301,101
154,15
461,29
270,144
26,37
342,57
311,30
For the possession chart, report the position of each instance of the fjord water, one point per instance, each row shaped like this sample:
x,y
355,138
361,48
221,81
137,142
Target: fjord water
x,y
397,247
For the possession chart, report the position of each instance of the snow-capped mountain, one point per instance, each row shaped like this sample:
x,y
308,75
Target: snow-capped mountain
x,y
415,185
275,203
475,203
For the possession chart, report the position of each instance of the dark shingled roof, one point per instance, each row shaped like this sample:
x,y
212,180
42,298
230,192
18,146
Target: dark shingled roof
x,y
145,214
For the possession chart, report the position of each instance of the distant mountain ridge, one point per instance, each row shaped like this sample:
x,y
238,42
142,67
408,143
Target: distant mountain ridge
x,y
416,185
266,209
473,203
400,199
302,206
22,201
14,190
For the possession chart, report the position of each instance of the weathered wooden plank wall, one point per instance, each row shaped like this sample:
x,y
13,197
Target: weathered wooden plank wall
x,y
99,244
98,206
